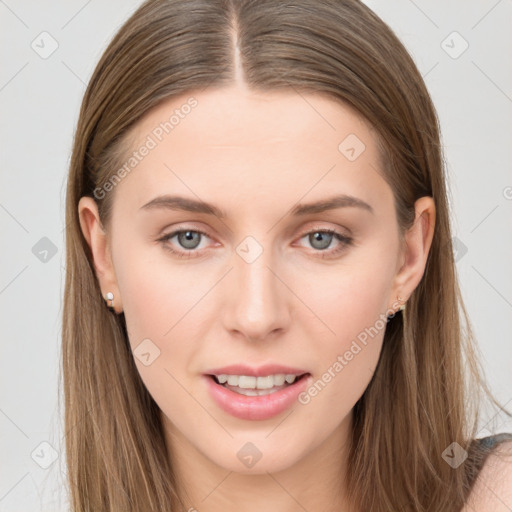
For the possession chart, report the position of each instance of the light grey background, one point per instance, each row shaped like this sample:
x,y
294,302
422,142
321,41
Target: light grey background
x,y
40,99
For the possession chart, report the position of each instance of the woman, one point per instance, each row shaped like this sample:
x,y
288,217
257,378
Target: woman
x,y
260,287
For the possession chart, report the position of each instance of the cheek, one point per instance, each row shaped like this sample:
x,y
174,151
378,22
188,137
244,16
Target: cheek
x,y
349,300
161,304
352,302
156,300
354,310
155,294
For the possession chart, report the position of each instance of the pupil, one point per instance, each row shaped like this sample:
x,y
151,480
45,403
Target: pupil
x,y
318,236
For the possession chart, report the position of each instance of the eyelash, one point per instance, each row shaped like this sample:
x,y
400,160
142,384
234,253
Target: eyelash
x,y
325,253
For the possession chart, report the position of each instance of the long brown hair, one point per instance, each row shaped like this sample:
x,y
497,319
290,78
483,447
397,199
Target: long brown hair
x,y
426,390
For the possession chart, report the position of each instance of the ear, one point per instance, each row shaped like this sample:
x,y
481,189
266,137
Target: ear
x,y
98,241
417,243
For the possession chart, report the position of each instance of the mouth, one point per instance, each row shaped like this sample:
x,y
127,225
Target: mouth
x,y
247,401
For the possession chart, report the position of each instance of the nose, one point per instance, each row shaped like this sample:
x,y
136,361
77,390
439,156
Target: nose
x,y
257,304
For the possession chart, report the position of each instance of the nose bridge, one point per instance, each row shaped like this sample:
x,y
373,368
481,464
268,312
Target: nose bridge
x,y
257,302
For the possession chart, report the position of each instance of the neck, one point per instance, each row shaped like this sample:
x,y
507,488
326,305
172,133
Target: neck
x,y
315,481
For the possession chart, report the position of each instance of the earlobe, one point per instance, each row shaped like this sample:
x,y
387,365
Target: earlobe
x,y
98,242
418,241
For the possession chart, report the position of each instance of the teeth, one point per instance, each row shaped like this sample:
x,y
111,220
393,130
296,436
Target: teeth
x,y
250,382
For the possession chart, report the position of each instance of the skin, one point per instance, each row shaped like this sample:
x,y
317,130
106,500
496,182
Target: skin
x,y
256,155
492,490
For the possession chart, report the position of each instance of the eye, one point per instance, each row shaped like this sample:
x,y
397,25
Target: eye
x,y
188,239
321,239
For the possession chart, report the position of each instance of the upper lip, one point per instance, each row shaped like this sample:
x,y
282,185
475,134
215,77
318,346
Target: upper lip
x,y
260,371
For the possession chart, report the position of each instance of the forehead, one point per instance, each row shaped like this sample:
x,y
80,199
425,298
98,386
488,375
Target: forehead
x,y
231,140
237,116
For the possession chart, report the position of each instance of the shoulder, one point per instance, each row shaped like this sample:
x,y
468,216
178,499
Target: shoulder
x,y
492,491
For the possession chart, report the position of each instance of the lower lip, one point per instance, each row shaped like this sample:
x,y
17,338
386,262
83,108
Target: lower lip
x,y
255,407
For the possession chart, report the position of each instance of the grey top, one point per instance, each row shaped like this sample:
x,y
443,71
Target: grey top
x,y
492,441
488,443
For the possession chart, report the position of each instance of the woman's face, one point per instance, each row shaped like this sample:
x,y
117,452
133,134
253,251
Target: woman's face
x,y
260,284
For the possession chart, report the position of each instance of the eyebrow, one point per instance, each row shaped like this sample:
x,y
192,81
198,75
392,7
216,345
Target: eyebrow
x,y
169,202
